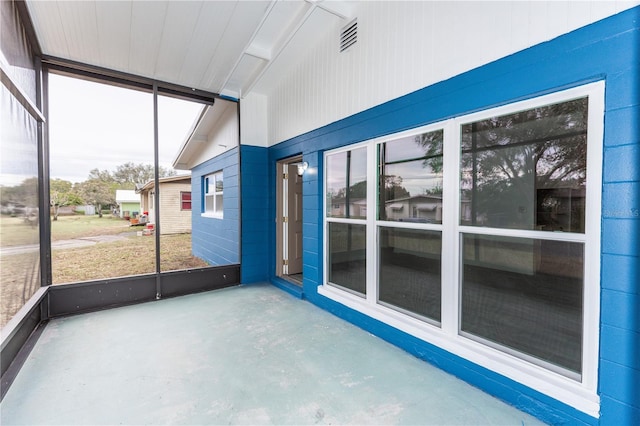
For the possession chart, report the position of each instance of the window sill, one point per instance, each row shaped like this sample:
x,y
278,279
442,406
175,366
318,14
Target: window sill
x,y
211,215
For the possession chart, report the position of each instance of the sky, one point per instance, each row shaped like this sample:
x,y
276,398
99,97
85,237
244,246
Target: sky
x,y
94,125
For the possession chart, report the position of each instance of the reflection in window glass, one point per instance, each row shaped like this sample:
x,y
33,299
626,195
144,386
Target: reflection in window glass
x,y
347,256
410,187
409,271
347,170
19,227
525,295
526,170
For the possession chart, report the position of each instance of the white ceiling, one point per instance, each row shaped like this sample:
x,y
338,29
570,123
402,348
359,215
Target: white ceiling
x,y
226,47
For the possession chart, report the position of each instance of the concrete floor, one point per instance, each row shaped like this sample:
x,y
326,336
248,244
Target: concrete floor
x,y
243,355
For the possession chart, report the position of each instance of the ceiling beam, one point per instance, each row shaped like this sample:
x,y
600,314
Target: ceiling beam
x,y
293,29
248,46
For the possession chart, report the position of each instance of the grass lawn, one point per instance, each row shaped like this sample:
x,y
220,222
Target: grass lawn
x,y
14,231
133,256
19,273
20,279
79,226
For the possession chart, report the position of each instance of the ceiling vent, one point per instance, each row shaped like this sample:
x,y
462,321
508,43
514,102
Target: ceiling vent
x,y
349,35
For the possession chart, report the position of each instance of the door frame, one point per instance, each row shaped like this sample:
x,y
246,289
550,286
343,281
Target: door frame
x,y
280,228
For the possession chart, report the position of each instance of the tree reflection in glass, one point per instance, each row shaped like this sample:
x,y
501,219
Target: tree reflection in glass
x,y
347,170
410,186
526,170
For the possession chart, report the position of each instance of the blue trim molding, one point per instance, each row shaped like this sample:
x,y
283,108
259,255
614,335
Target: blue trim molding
x,y
606,50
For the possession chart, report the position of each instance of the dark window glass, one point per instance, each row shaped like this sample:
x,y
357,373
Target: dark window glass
x,y
409,275
410,182
347,170
526,295
526,170
347,256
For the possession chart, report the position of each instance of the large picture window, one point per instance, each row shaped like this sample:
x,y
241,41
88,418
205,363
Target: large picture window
x,y
526,171
483,237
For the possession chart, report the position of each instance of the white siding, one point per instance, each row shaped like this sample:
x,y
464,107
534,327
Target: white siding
x,y
253,110
223,137
173,220
405,46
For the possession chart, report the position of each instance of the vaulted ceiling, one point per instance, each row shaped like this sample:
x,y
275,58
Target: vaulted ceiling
x,y
226,47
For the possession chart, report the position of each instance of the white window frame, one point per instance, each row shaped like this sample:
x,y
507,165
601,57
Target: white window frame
x,y
209,190
351,221
578,393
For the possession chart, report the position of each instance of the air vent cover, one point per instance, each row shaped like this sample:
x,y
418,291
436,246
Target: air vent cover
x,y
349,35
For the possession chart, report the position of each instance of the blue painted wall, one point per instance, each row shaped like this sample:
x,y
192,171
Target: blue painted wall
x,y
607,50
214,240
258,211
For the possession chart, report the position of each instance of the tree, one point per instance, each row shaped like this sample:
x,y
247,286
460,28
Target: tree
x,y
99,190
432,143
130,175
393,188
62,194
25,194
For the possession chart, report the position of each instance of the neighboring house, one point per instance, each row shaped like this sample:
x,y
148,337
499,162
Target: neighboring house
x,y
357,207
419,208
128,203
534,302
175,203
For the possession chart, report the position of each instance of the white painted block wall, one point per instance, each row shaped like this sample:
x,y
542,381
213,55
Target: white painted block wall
x,y
403,47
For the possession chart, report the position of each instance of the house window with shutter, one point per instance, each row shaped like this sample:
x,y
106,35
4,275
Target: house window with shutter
x,y
185,200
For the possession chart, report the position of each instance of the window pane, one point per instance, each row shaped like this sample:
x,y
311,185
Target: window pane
x,y
219,204
347,169
208,200
410,188
347,256
525,294
409,276
219,182
526,170
94,180
357,199
19,218
175,119
336,184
